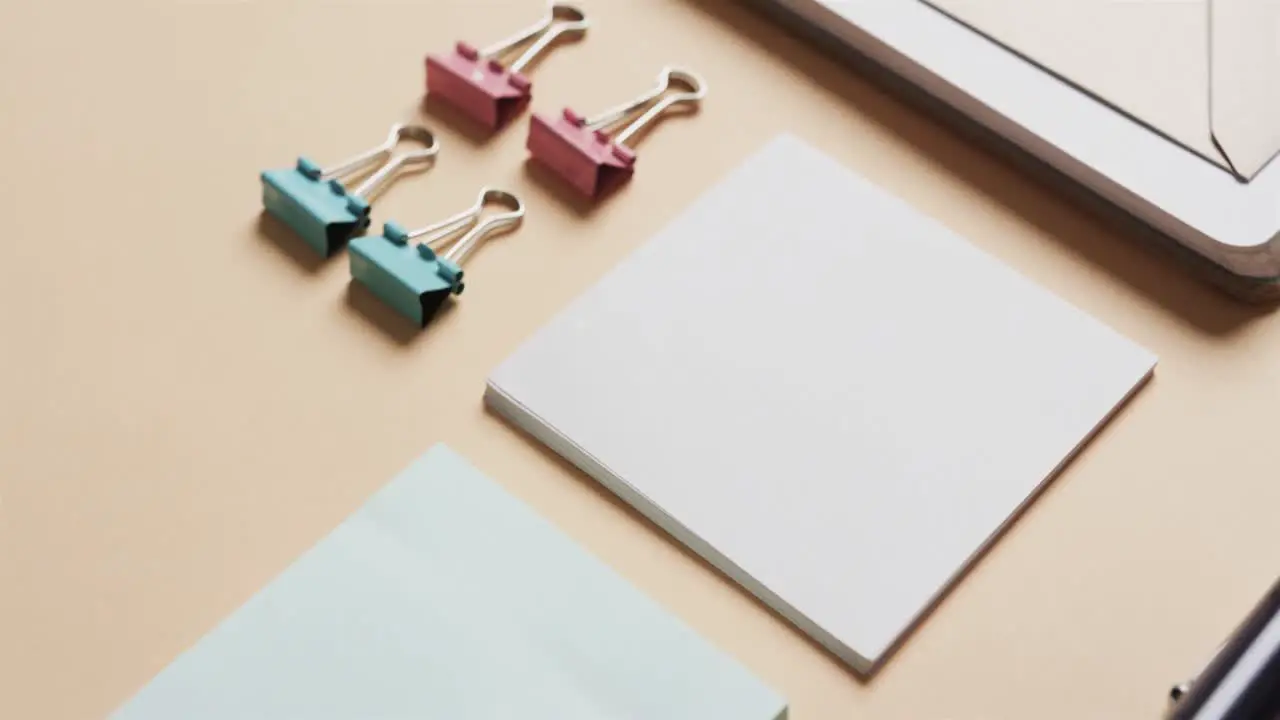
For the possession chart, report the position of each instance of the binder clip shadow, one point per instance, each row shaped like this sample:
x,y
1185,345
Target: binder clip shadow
x,y
415,279
318,208
582,153
477,84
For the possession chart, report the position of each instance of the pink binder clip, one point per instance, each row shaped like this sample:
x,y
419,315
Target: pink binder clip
x,y
477,83
583,153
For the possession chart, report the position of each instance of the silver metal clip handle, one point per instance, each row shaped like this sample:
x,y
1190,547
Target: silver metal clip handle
x,y
658,101
444,233
561,19
392,164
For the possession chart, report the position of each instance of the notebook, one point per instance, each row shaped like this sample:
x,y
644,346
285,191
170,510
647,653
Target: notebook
x,y
1162,110
827,395
1198,71
445,598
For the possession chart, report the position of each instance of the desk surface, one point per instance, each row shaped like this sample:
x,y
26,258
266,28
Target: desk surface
x,y
187,401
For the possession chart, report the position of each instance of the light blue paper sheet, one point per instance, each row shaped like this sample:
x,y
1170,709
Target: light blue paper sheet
x,y
444,598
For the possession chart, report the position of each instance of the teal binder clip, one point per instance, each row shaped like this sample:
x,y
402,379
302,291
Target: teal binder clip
x,y
415,279
315,204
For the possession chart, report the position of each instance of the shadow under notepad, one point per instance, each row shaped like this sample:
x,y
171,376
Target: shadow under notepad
x,y
1172,276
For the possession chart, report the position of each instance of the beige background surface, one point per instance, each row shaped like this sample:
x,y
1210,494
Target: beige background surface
x,y
187,403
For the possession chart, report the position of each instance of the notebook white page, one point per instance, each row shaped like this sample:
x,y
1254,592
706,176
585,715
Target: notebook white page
x,y
1199,71
831,397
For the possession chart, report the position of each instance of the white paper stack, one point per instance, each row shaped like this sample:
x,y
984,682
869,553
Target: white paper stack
x,y
830,397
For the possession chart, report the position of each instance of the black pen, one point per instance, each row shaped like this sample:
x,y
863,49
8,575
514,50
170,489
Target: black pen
x,y
1242,682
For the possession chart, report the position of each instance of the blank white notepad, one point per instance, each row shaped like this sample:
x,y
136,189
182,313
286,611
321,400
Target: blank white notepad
x,y
830,397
